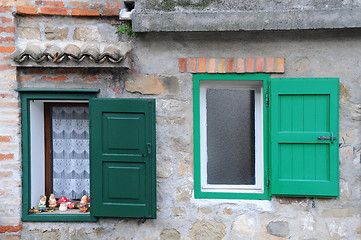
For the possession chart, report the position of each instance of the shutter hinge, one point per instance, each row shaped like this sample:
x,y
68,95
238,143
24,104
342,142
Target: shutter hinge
x,y
267,98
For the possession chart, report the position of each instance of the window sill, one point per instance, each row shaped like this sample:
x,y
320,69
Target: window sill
x,y
68,216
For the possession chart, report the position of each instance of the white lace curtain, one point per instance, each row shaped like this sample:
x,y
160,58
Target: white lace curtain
x,y
70,136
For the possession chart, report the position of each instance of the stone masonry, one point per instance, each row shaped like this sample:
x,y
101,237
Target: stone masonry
x,y
161,68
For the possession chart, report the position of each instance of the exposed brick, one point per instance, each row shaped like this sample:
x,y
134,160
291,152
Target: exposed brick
x,y
5,8
37,70
4,229
230,65
114,4
240,65
54,11
5,58
79,4
12,237
222,65
183,65
250,65
117,89
7,29
111,12
58,4
15,3
280,65
84,12
26,78
67,71
6,156
202,65
131,71
211,65
90,79
260,65
27,10
6,20
5,174
4,139
192,65
7,66
7,39
56,79
270,62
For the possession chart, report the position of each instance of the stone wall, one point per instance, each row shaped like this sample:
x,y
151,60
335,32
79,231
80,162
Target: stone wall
x,y
156,74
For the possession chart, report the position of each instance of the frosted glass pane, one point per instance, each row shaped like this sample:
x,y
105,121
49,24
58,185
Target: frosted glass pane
x,y
230,136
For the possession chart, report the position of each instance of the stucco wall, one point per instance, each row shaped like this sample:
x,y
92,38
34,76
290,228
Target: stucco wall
x,y
332,53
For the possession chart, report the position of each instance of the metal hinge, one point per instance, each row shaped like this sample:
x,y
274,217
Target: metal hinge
x,y
267,98
268,180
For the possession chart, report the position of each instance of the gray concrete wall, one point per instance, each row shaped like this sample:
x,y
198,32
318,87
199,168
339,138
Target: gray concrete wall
x,y
332,53
234,15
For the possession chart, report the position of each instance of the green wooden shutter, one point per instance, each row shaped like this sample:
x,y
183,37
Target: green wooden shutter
x,y
302,110
122,168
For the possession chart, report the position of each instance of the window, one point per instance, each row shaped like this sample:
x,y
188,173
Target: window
x,y
255,137
117,168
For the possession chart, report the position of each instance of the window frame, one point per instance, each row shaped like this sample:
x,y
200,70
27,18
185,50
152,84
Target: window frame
x,y
26,95
198,193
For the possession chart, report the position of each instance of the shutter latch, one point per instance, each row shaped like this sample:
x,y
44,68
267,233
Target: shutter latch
x,y
332,138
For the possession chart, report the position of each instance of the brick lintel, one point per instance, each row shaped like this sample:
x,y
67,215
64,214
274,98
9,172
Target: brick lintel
x,y
232,65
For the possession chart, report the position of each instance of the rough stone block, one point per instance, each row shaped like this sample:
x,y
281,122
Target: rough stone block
x,y
170,234
207,230
90,33
177,211
344,93
51,235
56,33
152,84
29,33
243,226
278,228
339,212
184,194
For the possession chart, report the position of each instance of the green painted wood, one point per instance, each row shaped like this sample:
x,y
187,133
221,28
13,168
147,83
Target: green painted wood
x,y
58,90
122,168
301,111
26,97
196,131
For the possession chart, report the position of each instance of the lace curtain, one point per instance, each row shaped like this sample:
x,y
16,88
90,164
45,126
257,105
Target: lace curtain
x,y
70,136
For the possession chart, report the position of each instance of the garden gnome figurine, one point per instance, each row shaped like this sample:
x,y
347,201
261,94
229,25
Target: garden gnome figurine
x,y
52,202
42,203
83,205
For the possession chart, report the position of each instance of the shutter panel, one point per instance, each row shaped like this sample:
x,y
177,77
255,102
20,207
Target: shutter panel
x,y
122,168
302,110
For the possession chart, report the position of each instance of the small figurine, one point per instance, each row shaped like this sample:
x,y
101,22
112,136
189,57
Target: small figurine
x,y
42,203
34,210
70,205
63,202
52,202
83,205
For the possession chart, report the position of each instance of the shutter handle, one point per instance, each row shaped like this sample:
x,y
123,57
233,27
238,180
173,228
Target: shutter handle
x,y
149,150
149,146
332,138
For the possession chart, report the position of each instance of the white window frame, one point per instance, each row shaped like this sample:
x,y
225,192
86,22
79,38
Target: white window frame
x,y
258,187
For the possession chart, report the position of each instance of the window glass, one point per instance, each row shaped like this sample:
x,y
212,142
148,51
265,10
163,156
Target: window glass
x,y
230,136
